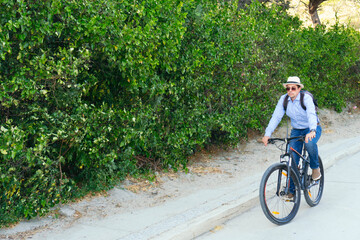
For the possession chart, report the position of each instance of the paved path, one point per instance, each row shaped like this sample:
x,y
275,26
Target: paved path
x,y
336,217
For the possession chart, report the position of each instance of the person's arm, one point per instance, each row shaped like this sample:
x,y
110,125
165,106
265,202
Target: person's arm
x,y
275,120
310,112
312,117
265,140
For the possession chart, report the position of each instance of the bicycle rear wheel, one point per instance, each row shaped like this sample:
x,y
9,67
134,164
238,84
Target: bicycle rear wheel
x,y
313,189
273,196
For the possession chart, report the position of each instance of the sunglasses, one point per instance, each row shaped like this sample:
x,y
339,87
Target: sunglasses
x,y
292,88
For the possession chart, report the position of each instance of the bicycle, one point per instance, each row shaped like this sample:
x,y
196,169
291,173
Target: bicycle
x,y
276,182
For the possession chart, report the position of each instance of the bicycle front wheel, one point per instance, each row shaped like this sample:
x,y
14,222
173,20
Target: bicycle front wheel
x,y
273,192
313,189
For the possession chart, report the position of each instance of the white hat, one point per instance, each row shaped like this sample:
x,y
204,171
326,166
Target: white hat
x,y
294,80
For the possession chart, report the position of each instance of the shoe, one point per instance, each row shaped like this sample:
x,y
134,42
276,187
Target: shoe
x,y
289,196
316,174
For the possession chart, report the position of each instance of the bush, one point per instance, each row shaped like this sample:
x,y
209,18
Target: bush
x,y
93,92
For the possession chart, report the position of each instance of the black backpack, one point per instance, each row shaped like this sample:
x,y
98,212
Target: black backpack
x,y
302,93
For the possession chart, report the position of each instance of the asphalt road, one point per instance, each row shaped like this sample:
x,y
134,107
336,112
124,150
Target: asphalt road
x,y
336,217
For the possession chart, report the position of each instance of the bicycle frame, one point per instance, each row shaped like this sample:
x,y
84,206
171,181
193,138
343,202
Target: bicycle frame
x,y
282,183
290,162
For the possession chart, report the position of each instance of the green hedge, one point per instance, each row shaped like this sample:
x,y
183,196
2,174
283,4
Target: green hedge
x,y
93,91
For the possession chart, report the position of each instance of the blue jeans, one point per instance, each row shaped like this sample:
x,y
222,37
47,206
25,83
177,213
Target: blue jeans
x,y
311,148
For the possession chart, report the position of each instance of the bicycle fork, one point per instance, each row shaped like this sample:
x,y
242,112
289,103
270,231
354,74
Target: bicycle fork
x,y
279,192
286,158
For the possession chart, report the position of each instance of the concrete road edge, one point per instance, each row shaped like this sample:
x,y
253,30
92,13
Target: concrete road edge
x,y
210,220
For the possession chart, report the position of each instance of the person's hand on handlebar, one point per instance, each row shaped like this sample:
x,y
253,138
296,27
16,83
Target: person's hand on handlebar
x,y
265,140
310,136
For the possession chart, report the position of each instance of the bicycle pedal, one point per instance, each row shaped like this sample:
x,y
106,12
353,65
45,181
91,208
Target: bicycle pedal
x,y
313,183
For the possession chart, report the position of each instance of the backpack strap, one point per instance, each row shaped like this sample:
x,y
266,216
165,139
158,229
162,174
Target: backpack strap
x,y
302,94
286,101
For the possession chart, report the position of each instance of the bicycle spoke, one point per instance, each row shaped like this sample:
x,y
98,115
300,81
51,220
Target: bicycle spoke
x,y
314,189
278,207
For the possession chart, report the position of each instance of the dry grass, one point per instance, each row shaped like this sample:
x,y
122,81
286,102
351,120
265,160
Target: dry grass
x,y
200,170
137,185
345,11
143,185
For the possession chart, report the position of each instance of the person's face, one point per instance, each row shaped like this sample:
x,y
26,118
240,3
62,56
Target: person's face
x,y
293,90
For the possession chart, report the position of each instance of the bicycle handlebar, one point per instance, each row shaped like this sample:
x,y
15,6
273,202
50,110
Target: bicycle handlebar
x,y
273,140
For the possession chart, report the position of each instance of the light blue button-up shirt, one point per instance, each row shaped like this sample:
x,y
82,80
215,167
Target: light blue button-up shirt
x,y
300,119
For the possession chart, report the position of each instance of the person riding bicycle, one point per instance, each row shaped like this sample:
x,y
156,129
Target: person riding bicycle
x,y
303,122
